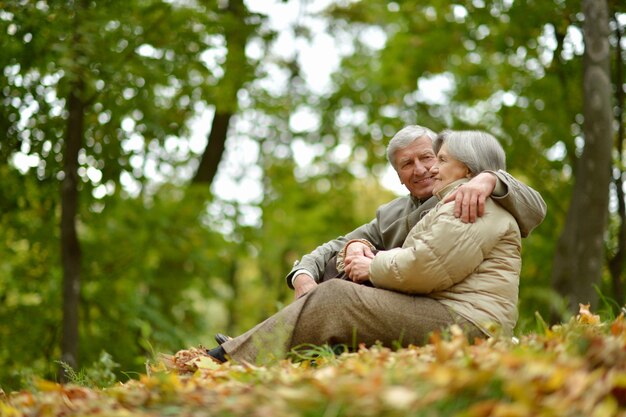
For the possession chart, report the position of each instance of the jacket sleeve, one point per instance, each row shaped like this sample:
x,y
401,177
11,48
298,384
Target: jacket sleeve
x,y
316,261
437,256
524,203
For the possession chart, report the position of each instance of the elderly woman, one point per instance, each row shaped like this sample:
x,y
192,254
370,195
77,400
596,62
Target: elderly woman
x,y
447,272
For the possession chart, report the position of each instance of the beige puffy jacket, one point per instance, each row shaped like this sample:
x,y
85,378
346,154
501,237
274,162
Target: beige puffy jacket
x,y
473,268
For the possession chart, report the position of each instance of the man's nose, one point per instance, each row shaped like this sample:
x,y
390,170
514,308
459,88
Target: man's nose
x,y
419,168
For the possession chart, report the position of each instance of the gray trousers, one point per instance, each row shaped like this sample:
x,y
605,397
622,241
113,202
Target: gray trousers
x,y
341,312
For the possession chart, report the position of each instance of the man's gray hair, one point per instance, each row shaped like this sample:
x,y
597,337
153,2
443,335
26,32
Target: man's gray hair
x,y
405,137
479,151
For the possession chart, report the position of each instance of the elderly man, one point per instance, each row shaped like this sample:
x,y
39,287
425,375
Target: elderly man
x,y
411,154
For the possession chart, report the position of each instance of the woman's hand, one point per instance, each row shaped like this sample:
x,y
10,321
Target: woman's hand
x,y
358,270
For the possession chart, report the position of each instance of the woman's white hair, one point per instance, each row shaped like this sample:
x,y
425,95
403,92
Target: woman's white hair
x,y
479,151
405,137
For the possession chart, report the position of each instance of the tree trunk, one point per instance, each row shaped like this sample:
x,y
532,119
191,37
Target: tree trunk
x,y
214,149
579,257
233,303
616,263
70,246
236,32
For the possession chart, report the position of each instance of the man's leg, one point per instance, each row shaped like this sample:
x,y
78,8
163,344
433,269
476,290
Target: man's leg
x,y
339,312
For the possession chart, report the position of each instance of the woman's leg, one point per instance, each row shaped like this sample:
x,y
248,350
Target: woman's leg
x,y
340,312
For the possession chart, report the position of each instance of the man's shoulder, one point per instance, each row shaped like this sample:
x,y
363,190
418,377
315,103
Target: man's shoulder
x,y
399,203
404,206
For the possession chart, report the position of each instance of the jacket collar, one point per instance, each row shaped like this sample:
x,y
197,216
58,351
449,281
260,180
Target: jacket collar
x,y
418,201
450,187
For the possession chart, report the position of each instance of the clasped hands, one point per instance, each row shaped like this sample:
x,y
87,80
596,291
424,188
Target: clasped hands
x,y
357,262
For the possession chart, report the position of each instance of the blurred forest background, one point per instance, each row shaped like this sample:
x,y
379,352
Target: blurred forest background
x,y
164,163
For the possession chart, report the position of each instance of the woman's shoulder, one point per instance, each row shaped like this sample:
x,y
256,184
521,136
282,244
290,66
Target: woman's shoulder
x,y
496,209
494,214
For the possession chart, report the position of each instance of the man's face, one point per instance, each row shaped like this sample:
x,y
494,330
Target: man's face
x,y
413,165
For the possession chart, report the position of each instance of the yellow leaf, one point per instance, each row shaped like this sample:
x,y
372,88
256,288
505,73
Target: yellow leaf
x,y
8,411
511,410
441,376
584,315
47,386
606,408
164,382
204,362
302,398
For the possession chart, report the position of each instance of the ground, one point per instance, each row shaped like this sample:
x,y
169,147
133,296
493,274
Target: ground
x,y
573,369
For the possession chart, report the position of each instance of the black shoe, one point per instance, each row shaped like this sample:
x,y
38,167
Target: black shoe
x,y
222,338
217,354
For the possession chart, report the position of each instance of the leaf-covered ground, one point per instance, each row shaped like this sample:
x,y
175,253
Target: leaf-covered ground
x,y
574,369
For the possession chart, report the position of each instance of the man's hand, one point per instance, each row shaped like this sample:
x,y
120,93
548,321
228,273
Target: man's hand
x,y
359,268
356,250
303,283
469,198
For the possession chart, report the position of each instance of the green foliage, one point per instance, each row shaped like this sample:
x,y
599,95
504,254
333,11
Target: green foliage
x,y
30,277
139,69
142,74
315,354
300,215
99,375
157,277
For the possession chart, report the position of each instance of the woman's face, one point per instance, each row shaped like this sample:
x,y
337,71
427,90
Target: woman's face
x,y
447,169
